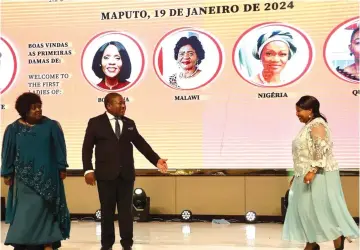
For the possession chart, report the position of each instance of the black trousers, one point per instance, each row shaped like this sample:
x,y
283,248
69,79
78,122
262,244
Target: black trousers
x,y
111,193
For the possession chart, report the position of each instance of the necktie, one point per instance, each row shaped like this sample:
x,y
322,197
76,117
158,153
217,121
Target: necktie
x,y
117,128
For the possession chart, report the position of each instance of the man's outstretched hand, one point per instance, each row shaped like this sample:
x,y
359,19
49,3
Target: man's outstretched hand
x,y
162,165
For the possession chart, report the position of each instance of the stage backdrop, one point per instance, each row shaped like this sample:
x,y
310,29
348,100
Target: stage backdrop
x,y
210,84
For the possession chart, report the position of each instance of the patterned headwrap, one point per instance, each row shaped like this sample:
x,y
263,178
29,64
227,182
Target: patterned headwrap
x,y
276,35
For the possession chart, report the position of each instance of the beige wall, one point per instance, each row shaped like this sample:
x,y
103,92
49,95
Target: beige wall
x,y
215,195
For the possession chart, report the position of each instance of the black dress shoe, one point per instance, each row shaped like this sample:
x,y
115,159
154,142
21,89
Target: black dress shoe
x,y
19,247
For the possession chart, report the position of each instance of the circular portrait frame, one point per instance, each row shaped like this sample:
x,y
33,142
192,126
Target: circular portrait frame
x,y
134,55
340,28
201,43
11,77
288,38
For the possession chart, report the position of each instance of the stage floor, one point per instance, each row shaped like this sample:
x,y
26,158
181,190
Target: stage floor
x,y
180,236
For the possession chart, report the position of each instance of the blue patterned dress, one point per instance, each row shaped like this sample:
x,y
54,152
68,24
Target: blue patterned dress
x,y
36,206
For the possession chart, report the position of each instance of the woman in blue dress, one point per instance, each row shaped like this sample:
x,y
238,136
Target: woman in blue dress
x,y
34,166
317,210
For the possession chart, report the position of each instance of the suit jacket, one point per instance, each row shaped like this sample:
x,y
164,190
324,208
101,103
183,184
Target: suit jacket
x,y
112,156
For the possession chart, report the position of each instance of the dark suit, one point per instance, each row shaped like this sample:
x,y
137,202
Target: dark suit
x,y
114,172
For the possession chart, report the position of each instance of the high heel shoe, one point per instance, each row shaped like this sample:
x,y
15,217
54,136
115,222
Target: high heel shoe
x,y
342,243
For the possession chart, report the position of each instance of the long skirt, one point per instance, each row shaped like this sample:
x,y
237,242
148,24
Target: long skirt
x,y
317,212
33,223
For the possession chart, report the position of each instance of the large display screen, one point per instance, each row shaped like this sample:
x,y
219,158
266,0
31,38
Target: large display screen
x,y
210,84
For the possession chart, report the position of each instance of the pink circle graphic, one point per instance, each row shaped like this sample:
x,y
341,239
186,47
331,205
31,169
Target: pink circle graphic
x,y
349,24
306,42
134,44
10,82
159,58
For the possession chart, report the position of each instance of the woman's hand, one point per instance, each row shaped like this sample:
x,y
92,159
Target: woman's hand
x,y
309,177
62,175
291,182
8,181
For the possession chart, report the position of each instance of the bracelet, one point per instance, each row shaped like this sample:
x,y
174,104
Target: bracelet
x,y
313,170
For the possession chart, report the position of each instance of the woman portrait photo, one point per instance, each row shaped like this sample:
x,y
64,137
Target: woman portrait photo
x,y
112,64
272,55
186,59
188,53
342,51
113,61
274,49
8,65
33,165
352,71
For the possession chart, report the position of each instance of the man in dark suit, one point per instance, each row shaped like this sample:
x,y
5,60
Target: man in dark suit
x,y
113,135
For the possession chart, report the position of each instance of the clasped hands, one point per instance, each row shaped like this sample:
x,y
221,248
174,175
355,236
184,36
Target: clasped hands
x,y
309,177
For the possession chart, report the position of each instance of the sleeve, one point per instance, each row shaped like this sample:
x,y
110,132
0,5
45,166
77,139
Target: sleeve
x,y
88,146
144,148
319,145
59,146
8,154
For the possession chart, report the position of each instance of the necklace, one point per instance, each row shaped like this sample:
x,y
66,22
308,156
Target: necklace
x,y
111,86
26,124
312,118
182,75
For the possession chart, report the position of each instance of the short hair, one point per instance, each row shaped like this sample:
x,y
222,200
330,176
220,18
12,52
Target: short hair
x,y
23,103
109,98
194,42
125,70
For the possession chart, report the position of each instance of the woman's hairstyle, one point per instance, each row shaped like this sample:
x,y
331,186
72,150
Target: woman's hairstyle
x,y
125,70
311,103
276,35
24,102
194,42
353,34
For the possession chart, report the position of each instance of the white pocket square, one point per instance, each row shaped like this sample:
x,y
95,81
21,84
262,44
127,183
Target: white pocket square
x,y
131,128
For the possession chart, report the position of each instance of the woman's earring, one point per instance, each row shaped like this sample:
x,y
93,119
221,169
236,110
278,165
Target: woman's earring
x,y
351,54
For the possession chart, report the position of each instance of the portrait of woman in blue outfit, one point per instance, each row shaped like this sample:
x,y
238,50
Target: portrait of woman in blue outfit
x,y
317,210
34,166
